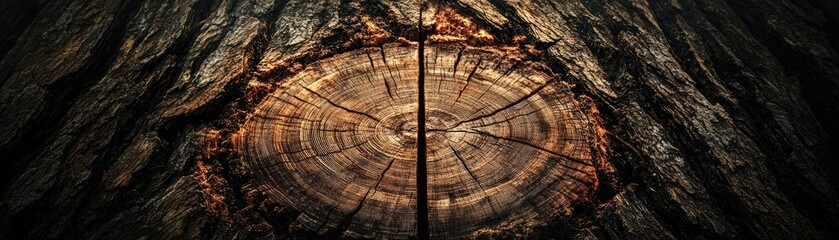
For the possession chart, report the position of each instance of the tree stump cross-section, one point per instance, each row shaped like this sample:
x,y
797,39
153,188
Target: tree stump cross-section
x,y
338,142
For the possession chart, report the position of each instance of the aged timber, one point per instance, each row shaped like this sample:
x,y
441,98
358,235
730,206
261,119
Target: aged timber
x,y
140,119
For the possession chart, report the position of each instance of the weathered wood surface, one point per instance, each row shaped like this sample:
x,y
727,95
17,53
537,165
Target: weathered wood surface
x,y
116,117
506,142
338,142
335,142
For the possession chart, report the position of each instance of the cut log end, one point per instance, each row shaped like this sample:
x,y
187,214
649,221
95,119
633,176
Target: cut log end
x,y
337,142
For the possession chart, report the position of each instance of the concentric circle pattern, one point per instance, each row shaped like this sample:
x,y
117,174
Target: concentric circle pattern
x,y
337,142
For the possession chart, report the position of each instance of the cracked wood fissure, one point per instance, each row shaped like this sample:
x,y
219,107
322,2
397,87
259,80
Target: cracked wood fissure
x,y
422,149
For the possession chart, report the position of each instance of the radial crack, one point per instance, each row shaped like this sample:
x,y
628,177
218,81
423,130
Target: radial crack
x,y
390,72
304,100
456,62
457,154
485,133
339,106
531,94
387,85
511,118
506,73
468,79
462,162
347,221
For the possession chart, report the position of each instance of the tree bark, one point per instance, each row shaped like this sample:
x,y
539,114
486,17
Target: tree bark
x,y
647,119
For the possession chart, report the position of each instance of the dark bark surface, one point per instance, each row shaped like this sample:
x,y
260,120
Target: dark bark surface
x,y
714,118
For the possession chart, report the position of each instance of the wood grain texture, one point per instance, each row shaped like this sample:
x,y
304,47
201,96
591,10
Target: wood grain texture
x,y
117,117
338,142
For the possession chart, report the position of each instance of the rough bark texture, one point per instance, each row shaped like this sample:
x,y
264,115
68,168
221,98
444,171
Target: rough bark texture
x,y
119,119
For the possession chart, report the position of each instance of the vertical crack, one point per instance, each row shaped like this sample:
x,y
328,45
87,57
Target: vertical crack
x,y
422,157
